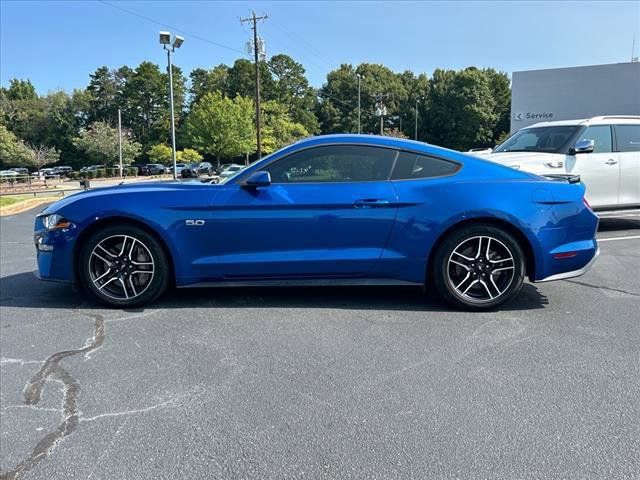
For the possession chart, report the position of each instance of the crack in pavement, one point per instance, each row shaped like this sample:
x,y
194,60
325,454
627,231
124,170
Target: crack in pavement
x,y
33,392
601,287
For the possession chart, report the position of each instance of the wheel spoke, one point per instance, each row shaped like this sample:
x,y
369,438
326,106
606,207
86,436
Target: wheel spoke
x,y
112,279
109,264
133,288
501,260
463,280
107,272
133,244
469,259
479,247
467,268
493,282
482,282
124,245
469,287
105,250
124,287
141,263
501,269
488,255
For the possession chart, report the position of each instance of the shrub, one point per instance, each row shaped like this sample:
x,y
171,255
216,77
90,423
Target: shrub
x,y
73,175
91,174
101,172
132,171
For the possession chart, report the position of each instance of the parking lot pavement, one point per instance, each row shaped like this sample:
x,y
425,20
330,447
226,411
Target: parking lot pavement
x,y
322,383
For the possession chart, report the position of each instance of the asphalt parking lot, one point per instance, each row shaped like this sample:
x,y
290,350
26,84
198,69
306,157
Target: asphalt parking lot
x,y
322,383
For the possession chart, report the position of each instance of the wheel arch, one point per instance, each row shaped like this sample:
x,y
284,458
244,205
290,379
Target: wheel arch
x,y
509,227
120,220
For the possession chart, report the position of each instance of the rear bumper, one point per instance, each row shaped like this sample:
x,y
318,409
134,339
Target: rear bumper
x,y
572,273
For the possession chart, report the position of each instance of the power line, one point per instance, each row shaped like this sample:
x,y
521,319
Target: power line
x,y
181,30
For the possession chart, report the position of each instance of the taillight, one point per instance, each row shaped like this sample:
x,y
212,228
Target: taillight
x,y
586,203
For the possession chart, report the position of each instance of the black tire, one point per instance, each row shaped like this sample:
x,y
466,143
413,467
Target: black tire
x,y
151,265
494,282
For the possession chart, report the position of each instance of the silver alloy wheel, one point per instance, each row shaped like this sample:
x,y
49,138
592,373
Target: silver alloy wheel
x,y
121,267
480,269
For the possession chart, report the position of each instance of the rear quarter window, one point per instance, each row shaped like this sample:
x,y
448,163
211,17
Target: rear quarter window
x,y
628,138
412,165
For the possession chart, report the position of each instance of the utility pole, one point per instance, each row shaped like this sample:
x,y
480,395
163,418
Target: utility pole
x,y
256,54
120,140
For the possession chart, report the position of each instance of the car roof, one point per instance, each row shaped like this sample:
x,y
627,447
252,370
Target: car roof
x,y
601,120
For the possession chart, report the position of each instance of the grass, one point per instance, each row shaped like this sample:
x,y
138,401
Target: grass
x,y
5,201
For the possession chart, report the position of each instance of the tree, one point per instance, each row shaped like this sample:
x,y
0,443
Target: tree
x,y
21,90
160,154
241,80
221,126
13,152
279,129
189,155
42,155
291,89
461,109
208,81
100,142
500,86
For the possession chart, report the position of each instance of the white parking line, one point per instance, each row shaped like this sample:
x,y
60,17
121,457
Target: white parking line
x,y
610,239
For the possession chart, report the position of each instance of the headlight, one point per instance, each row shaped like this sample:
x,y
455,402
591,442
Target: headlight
x,y
55,222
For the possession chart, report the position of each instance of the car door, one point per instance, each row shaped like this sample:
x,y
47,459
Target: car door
x,y
628,150
327,213
599,170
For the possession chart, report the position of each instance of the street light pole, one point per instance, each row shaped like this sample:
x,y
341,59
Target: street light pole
x,y
359,110
416,126
120,140
173,123
165,40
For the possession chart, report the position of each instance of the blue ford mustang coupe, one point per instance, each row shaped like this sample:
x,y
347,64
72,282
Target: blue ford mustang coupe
x,y
336,209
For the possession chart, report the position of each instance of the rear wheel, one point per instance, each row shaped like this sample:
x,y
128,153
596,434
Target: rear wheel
x,y
478,267
123,266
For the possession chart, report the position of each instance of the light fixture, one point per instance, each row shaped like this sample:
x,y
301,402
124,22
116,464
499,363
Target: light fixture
x,y
165,38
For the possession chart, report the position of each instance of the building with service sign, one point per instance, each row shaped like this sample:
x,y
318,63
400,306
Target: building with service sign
x,y
573,93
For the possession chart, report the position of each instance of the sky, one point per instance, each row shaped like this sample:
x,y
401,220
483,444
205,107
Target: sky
x,y
57,44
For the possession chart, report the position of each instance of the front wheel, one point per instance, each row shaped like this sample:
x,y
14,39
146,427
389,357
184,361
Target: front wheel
x,y
478,267
123,266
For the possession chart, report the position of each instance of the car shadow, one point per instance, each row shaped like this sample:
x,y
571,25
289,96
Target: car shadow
x,y
23,290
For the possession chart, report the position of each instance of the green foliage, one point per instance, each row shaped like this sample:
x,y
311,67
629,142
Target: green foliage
x,y
189,155
279,129
457,109
100,143
221,126
13,152
160,154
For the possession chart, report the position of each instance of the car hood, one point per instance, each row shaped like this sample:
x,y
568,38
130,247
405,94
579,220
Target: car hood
x,y
105,194
529,161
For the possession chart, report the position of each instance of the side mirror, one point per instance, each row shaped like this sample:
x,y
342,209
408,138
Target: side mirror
x,y
258,179
583,146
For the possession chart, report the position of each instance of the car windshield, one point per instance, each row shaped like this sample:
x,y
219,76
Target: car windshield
x,y
553,139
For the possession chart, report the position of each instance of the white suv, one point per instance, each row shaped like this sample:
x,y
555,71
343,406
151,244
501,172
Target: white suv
x,y
604,151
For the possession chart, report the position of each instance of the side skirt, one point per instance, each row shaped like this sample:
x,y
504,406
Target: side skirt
x,y
305,283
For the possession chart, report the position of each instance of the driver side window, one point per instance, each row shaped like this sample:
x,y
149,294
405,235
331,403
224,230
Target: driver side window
x,y
601,136
334,163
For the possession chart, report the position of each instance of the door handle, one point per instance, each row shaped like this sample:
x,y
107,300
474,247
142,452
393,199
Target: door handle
x,y
611,161
370,203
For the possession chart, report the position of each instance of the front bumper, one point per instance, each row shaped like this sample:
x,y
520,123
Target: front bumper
x,y
573,273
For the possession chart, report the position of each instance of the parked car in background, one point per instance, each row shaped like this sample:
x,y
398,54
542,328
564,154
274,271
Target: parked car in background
x,y
20,170
220,168
142,169
92,168
230,170
603,151
156,169
179,167
480,150
335,209
9,174
194,170
63,170
48,173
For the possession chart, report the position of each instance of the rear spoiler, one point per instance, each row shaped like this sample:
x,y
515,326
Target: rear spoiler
x,y
563,176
